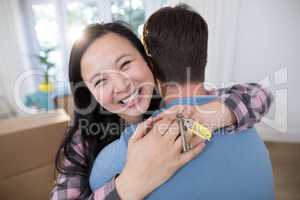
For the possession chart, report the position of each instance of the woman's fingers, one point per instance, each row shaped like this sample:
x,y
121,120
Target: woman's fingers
x,y
178,144
141,129
194,140
189,112
172,132
191,154
161,127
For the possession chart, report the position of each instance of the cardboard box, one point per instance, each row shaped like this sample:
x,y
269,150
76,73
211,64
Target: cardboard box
x,y
27,149
31,185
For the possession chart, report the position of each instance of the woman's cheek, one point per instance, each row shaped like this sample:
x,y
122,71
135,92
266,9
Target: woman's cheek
x,y
104,97
143,73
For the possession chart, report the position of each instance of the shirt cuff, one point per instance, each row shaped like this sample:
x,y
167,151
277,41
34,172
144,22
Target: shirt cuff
x,y
239,109
107,192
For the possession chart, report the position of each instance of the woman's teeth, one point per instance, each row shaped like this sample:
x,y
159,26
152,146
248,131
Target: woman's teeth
x,y
131,97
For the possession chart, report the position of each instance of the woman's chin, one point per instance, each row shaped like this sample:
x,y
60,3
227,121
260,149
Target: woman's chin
x,y
137,110
133,116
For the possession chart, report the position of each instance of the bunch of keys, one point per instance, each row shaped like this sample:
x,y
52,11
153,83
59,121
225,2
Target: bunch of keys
x,y
189,125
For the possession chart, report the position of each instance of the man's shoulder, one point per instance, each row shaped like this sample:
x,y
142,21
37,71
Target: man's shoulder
x,y
119,145
249,137
230,164
109,162
127,133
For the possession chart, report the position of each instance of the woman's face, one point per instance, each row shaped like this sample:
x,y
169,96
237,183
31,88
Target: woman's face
x,y
118,76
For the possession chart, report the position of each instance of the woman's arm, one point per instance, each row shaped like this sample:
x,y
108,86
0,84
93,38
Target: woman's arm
x,y
151,156
236,108
248,102
71,187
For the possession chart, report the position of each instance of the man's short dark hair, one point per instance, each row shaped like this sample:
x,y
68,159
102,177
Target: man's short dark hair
x,y
176,39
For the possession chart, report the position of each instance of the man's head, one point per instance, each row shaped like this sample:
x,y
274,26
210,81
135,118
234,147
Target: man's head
x,y
176,38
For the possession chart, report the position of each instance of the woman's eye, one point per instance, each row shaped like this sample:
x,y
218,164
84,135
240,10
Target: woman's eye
x,y
125,65
101,81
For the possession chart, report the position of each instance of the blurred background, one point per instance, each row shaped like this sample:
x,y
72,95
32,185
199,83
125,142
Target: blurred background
x,y
249,41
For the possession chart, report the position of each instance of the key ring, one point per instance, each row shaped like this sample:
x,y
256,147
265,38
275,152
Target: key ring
x,y
198,129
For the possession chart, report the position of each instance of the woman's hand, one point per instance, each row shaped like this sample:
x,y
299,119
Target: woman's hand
x,y
213,115
154,155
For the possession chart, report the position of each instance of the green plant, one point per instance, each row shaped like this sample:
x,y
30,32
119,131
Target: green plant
x,y
43,58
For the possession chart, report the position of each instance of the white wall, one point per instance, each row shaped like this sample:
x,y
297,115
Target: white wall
x,y
257,41
268,47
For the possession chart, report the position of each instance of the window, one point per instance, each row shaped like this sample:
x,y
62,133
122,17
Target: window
x,y
131,11
46,29
59,23
45,24
164,3
80,14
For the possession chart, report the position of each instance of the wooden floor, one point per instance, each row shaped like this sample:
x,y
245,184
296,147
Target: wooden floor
x,y
286,169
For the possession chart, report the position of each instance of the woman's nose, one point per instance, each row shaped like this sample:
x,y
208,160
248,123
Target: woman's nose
x,y
121,84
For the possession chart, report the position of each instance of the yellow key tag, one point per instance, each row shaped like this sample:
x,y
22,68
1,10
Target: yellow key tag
x,y
198,129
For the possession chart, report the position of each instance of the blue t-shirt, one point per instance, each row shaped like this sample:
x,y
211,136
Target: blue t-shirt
x,y
232,166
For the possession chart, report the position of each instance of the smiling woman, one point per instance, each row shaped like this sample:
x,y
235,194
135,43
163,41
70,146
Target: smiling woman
x,y
121,82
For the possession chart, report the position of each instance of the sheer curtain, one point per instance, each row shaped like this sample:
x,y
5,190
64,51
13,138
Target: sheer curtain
x,y
13,59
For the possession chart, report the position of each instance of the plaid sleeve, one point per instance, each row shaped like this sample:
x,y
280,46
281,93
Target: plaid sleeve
x,y
71,187
249,103
107,192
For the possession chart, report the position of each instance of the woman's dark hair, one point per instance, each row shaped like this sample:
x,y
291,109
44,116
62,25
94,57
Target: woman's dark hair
x,y
88,111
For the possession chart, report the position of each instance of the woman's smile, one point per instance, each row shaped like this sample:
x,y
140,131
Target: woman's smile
x,y
131,99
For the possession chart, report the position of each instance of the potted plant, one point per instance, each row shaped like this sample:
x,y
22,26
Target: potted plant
x,y
43,57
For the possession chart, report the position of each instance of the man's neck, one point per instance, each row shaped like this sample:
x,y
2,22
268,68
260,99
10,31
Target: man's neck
x,y
182,91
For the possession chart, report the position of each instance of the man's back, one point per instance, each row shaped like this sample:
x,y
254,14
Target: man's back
x,y
231,167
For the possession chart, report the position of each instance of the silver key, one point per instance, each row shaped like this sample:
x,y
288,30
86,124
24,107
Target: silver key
x,y
183,132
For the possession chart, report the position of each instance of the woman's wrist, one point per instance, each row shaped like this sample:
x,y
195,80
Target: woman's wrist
x,y
128,188
216,115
